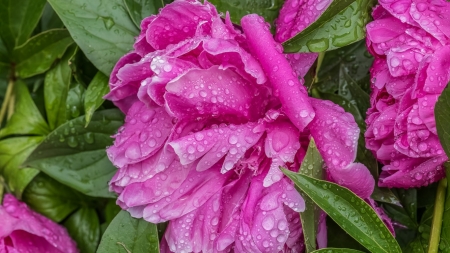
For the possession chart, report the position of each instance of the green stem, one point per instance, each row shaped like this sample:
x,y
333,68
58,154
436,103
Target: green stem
x,y
5,104
438,212
319,64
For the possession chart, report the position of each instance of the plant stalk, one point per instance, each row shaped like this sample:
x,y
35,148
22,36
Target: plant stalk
x,y
438,213
9,92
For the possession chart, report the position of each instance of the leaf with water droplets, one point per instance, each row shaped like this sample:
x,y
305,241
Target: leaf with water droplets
x,y
56,88
337,250
442,114
13,151
76,156
93,98
27,119
101,28
84,227
311,166
342,23
420,243
126,234
238,8
52,199
74,102
19,18
139,9
38,54
350,212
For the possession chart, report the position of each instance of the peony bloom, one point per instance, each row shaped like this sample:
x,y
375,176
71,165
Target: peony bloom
x,y
411,44
23,230
212,112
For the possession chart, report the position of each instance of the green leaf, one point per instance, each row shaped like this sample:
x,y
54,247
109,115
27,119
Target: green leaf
x,y
420,243
19,18
94,95
336,250
338,238
13,152
139,9
51,198
26,118
239,8
101,28
56,88
38,54
76,156
50,19
341,24
442,114
350,212
444,244
84,227
126,234
311,166
75,98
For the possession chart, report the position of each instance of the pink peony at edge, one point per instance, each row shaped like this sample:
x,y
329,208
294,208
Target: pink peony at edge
x,y
212,112
23,230
411,43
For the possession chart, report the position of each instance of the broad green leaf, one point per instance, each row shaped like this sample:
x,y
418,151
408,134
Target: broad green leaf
x,y
13,152
93,98
26,118
126,234
76,156
56,88
75,98
342,23
19,18
84,227
442,114
50,19
101,28
311,166
139,9
420,243
239,8
336,250
51,198
38,54
338,238
350,212
445,231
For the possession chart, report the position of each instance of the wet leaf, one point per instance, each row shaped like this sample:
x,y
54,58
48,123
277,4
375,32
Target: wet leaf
x,y
26,118
342,23
420,243
50,19
350,212
38,54
442,114
76,156
311,166
13,152
56,88
19,18
126,234
239,8
51,198
336,250
139,9
74,103
94,95
101,28
84,227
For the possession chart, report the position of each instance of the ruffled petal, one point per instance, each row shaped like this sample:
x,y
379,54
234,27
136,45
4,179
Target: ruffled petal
x,y
286,86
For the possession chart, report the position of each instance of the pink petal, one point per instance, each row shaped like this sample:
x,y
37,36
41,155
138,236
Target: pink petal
x,y
144,132
336,134
286,85
433,17
211,145
282,143
212,93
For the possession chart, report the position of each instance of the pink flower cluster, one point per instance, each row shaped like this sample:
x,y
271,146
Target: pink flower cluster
x,y
22,231
212,112
410,40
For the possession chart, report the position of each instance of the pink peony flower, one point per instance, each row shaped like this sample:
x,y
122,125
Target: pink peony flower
x,y
23,230
211,115
411,43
